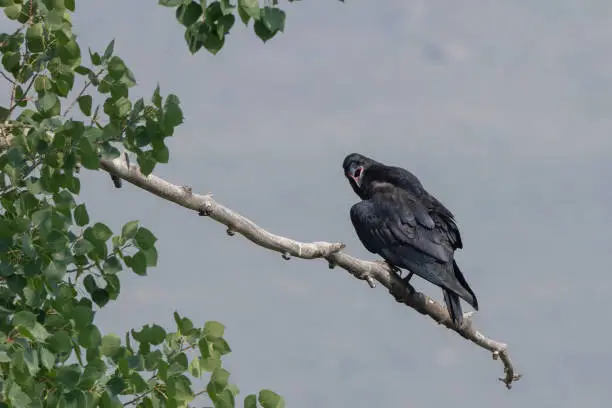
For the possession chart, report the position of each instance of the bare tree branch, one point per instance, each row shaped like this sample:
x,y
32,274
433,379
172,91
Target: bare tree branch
x,y
369,271
366,270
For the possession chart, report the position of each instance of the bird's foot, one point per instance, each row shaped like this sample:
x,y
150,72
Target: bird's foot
x,y
393,268
408,277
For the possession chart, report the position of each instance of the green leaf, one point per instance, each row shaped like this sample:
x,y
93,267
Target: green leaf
x,y
25,319
47,358
138,383
89,154
157,335
64,201
11,61
83,70
85,102
109,152
116,67
138,263
250,8
96,59
119,107
93,372
189,13
68,376
13,12
170,3
213,43
90,284
34,38
273,18
225,399
213,329
153,360
262,31
30,357
250,401
4,357
111,345
194,368
90,337
156,98
173,115
144,238
210,363
151,255
161,152
130,229
56,5
243,16
112,265
38,333
83,316
226,7
108,52
194,38
270,399
82,247
93,134
113,286
183,324
60,342
218,380
55,271
108,400
179,389
16,396
146,163
221,346
81,217
205,348
69,53
101,231
4,113
225,24
100,297
48,103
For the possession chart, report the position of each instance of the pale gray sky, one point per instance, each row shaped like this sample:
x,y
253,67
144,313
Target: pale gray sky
x,y
503,111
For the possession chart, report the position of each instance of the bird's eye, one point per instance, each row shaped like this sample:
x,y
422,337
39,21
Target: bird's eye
x,y
357,172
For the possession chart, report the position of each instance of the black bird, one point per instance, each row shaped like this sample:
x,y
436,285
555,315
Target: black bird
x,y
400,221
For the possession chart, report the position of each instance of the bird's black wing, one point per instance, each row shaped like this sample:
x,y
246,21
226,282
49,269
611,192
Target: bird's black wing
x,y
386,226
445,221
443,217
388,220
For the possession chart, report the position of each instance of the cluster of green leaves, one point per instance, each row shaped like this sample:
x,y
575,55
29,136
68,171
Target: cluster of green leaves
x,y
57,266
207,24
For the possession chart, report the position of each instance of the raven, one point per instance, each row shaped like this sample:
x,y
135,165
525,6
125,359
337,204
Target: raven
x,y
400,221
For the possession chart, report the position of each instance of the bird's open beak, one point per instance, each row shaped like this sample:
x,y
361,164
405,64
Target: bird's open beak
x,y
356,173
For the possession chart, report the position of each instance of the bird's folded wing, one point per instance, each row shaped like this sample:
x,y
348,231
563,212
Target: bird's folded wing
x,y
385,223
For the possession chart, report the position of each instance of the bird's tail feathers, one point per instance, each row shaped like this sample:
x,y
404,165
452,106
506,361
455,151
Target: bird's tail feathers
x,y
453,306
471,299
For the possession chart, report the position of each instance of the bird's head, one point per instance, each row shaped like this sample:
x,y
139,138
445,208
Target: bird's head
x,y
356,167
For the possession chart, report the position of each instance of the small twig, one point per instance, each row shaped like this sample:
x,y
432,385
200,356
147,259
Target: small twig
x,y
14,103
7,78
82,92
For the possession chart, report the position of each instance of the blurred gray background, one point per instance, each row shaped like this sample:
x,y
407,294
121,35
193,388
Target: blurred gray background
x,y
503,111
